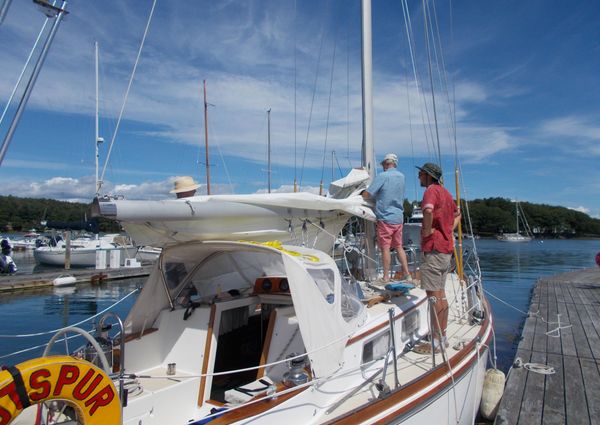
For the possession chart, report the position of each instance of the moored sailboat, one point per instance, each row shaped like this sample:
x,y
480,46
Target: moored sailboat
x,y
518,236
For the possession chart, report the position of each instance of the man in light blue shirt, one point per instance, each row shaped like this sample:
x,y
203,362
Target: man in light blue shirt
x,y
387,189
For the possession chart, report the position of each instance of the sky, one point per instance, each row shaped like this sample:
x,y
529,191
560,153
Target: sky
x,y
518,79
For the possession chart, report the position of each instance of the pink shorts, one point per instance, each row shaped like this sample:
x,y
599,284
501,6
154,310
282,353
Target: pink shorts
x,y
389,235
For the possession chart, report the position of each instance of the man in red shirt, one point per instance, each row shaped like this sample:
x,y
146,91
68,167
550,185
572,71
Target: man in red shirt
x,y
440,217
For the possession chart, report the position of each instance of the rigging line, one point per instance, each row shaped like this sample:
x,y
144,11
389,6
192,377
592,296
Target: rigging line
x,y
114,136
37,40
427,44
329,105
412,141
338,165
312,104
441,70
423,104
215,138
444,81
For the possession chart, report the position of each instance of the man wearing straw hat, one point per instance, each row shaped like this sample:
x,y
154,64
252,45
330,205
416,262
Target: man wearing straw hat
x,y
185,186
387,189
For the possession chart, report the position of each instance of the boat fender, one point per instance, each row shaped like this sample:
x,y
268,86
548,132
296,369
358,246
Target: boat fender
x,y
88,389
493,387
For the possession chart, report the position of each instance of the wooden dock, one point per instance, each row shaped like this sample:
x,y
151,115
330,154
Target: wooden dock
x,y
564,335
23,282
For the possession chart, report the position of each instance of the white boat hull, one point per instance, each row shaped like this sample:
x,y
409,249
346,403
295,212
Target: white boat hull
x,y
80,257
514,237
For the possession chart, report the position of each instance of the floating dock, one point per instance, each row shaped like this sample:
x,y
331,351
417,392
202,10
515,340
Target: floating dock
x,y
23,282
564,335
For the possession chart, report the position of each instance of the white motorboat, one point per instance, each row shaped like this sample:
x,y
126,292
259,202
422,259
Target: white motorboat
x,y
83,251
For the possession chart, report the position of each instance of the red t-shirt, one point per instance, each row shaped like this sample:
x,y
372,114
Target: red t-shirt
x,y
440,202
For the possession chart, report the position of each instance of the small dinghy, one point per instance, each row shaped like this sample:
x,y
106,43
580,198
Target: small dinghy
x,y
64,280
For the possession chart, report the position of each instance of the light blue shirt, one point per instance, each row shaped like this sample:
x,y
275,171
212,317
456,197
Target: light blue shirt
x,y
387,189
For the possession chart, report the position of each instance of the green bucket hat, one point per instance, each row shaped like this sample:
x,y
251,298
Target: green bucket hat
x,y
432,169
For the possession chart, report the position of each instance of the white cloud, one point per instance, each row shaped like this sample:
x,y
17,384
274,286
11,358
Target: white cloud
x,y
583,132
580,209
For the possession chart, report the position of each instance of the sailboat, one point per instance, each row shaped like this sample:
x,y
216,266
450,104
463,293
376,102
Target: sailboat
x,y
518,236
246,318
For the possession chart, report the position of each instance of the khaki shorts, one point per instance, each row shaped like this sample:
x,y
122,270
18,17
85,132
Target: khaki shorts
x,y
434,268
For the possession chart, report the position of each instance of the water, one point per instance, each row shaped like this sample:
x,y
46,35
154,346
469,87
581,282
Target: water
x,y
509,270
47,309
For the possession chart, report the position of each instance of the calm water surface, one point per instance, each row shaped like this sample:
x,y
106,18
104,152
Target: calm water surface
x,y
509,270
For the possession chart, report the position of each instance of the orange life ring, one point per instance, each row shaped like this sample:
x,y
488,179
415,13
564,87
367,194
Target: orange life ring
x,y
87,387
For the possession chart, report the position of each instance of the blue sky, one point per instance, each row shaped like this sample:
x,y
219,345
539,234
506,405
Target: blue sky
x,y
522,77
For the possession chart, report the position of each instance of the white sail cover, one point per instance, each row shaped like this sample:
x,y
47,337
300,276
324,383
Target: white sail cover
x,y
297,218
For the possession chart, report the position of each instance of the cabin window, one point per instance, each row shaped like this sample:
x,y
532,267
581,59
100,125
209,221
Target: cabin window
x,y
324,279
351,304
410,324
376,348
175,273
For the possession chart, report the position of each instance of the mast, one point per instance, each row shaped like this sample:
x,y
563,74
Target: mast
x,y
206,141
370,271
98,139
269,149
517,211
367,89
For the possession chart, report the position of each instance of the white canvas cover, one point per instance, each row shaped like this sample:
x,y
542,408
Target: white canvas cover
x,y
261,217
315,287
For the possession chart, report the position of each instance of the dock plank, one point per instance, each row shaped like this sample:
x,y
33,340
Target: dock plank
x,y
554,400
532,404
565,335
591,371
575,397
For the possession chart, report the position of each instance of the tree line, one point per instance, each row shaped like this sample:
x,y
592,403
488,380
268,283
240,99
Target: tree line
x,y
492,216
489,217
21,214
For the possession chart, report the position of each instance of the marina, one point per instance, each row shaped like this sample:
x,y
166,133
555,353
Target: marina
x,y
555,377
271,305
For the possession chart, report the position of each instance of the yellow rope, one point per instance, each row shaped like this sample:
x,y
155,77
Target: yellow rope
x,y
278,245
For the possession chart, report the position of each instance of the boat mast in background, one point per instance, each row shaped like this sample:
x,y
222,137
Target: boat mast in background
x,y
98,139
206,141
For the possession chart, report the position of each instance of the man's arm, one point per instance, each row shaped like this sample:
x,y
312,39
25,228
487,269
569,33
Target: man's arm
x,y
366,195
427,223
457,217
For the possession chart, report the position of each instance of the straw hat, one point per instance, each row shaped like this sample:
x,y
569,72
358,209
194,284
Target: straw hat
x,y
184,184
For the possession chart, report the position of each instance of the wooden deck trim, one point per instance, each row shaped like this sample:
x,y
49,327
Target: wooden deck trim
x,y
207,345
267,344
256,408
